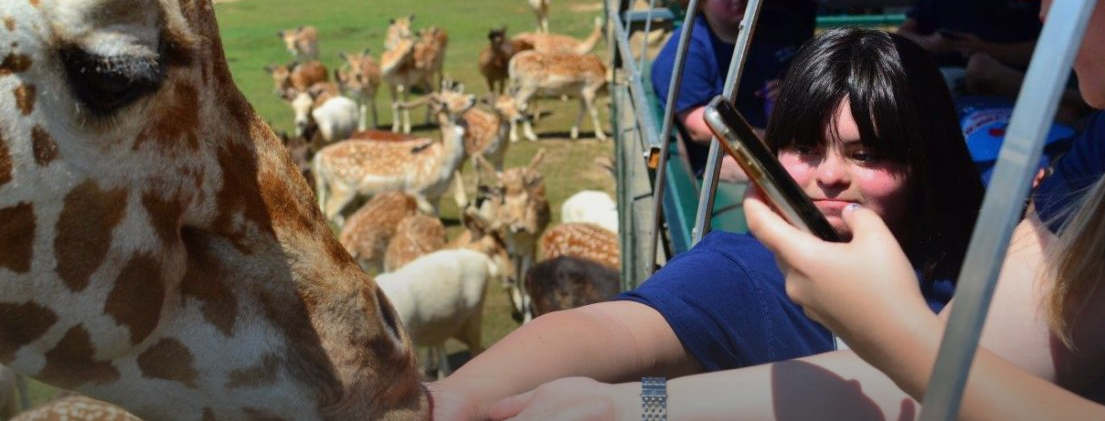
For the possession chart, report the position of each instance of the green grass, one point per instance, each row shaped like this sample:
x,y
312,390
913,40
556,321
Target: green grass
x,y
249,30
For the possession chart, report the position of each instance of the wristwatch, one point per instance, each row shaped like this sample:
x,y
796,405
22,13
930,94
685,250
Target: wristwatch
x,y
654,399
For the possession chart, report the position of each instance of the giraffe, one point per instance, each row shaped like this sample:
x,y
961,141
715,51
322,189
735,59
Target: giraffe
x,y
158,248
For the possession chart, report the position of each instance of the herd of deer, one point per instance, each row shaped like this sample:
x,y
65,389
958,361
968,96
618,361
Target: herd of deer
x,y
435,286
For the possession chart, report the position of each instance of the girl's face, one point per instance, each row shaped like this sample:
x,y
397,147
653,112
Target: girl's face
x,y
726,11
1090,62
843,171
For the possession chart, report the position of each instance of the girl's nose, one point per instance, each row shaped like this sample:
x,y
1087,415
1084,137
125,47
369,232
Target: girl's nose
x,y
833,170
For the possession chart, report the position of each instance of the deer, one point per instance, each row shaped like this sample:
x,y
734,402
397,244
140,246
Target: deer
x,y
518,210
566,282
429,52
291,79
547,42
554,74
541,9
323,110
400,70
583,240
361,76
415,236
73,407
352,168
494,60
398,29
368,231
301,42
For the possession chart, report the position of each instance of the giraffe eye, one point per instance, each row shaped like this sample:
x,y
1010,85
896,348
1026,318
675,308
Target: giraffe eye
x,y
106,84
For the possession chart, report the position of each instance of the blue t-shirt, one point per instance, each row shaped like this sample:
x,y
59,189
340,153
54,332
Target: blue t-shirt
x,y
1075,172
726,301
780,30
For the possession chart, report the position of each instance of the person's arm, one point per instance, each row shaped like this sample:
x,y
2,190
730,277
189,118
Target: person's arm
x,y
613,341
1013,54
700,132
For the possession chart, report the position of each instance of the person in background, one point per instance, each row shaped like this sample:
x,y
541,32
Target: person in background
x,y
782,27
722,304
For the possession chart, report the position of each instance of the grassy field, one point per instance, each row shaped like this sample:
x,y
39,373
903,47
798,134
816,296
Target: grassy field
x,y
249,30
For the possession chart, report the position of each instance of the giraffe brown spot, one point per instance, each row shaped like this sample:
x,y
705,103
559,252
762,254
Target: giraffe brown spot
x,y
5,162
23,323
240,194
209,415
70,363
137,296
25,98
14,63
263,373
169,359
165,215
175,125
45,149
204,281
17,237
284,205
9,23
84,231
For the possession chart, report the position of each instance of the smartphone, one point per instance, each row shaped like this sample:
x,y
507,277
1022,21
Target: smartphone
x,y
739,141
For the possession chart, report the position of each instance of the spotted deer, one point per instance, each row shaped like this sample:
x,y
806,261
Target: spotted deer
x,y
361,76
583,240
555,74
348,169
301,42
416,235
547,42
76,408
369,230
400,70
155,236
291,79
398,29
518,210
429,52
541,9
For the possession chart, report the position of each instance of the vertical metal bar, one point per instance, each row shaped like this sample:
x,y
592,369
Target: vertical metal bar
x,y
644,39
713,160
665,132
1032,117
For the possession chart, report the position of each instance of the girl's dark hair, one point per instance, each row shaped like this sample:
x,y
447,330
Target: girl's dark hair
x,y
904,111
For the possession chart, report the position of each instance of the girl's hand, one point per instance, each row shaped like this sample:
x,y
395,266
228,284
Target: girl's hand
x,y
452,405
572,398
864,290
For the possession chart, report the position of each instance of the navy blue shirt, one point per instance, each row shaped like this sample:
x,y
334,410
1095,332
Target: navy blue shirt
x,y
998,21
726,301
782,27
1075,172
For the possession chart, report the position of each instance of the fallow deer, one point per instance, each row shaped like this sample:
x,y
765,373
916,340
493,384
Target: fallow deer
x,y
361,76
566,282
347,169
72,407
583,240
494,60
398,29
291,79
400,70
369,230
323,110
541,9
415,236
160,250
301,42
555,74
429,52
547,42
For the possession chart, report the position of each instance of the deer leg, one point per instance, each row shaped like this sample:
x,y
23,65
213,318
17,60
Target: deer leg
x,y
527,129
395,108
362,122
579,119
470,333
588,101
375,117
339,197
459,194
406,111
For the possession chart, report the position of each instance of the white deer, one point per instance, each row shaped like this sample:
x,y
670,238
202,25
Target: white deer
x,y
361,76
352,168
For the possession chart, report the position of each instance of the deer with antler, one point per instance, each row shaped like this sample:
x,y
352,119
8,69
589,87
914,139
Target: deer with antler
x,y
361,76
352,168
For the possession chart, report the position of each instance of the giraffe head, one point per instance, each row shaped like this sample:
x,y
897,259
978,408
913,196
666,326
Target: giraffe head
x,y
158,248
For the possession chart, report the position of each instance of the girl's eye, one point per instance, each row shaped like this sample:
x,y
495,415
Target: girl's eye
x,y
865,156
805,150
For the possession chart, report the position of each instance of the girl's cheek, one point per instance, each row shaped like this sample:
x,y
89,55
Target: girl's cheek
x,y
798,170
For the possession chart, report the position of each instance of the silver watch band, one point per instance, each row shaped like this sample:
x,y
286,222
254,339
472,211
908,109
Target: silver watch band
x,y
654,399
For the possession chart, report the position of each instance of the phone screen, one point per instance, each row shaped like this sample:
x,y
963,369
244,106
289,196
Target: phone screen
x,y
738,140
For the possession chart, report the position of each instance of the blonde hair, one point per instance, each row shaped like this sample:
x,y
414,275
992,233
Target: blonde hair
x,y
1077,262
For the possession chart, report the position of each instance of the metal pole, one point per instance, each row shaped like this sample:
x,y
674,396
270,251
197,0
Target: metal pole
x,y
1020,152
644,39
665,132
713,160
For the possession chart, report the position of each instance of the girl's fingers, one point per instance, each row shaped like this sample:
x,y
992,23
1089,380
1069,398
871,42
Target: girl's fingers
x,y
509,407
866,225
786,241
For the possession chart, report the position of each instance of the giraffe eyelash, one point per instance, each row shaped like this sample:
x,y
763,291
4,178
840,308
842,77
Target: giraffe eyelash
x,y
106,84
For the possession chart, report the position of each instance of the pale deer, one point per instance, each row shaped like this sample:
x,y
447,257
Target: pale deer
x,y
555,74
429,52
495,59
347,169
541,9
291,79
398,28
547,42
369,230
324,110
301,42
400,70
361,76
415,236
